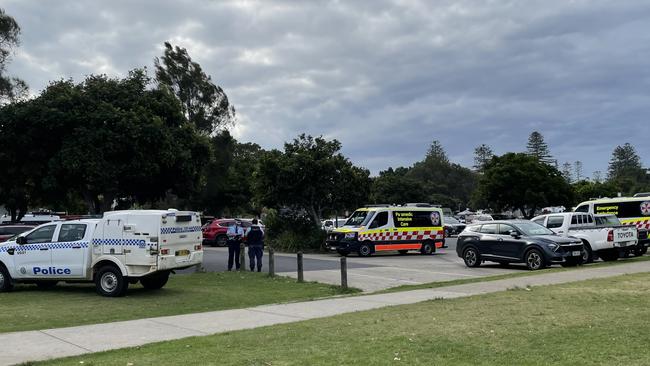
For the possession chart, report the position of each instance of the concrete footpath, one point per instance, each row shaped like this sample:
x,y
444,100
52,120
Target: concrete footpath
x,y
19,347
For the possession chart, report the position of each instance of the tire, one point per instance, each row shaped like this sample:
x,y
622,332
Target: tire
x,y
5,280
46,285
155,282
587,254
572,262
109,282
343,253
534,260
428,248
608,255
365,250
472,257
402,252
221,241
640,250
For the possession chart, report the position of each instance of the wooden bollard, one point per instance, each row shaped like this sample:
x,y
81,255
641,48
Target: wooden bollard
x,y
301,277
242,256
344,272
271,262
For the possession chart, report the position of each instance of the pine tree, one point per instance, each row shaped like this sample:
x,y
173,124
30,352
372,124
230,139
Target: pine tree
x,y
538,148
437,152
577,166
482,155
567,172
624,163
598,176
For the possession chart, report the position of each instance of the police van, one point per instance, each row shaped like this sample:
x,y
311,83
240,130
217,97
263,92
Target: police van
x,y
121,248
378,228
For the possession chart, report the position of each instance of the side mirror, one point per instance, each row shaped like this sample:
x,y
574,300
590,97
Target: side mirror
x,y
515,234
21,240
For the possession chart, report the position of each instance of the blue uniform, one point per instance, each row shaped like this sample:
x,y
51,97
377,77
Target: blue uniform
x,y
255,240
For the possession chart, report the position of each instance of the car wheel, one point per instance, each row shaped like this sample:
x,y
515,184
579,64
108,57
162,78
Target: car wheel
x,y
587,254
534,260
609,255
365,250
221,240
428,248
472,257
109,282
45,285
403,252
5,280
155,282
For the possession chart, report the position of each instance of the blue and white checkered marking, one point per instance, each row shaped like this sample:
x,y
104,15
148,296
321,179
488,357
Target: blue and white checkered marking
x,y
140,243
179,230
39,246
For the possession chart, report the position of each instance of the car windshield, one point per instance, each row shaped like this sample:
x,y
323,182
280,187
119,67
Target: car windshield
x,y
609,220
359,218
531,228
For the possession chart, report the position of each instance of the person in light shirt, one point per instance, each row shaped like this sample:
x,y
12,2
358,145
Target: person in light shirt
x,y
235,234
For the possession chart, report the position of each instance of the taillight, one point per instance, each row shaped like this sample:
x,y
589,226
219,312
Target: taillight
x,y
164,251
610,235
197,247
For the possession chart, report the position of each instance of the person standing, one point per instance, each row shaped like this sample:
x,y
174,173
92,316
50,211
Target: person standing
x,y
255,240
235,234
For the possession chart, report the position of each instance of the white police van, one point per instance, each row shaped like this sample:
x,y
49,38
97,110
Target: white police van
x,y
120,248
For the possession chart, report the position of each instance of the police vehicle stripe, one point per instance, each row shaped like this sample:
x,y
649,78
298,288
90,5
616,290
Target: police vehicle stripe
x,y
178,230
39,246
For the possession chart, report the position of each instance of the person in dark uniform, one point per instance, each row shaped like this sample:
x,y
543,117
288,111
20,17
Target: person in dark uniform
x,y
255,240
235,234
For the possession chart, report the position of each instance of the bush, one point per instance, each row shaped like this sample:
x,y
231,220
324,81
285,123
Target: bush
x,y
292,231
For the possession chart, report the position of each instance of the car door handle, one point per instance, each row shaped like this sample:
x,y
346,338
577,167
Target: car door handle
x,y
76,247
45,248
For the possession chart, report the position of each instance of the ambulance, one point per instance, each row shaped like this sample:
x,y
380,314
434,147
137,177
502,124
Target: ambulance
x,y
380,228
121,248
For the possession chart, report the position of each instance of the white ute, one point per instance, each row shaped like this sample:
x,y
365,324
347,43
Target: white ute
x,y
607,241
120,248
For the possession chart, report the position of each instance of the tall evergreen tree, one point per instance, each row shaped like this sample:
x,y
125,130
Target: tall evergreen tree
x,y
567,172
625,162
11,88
577,168
482,155
437,152
597,176
538,148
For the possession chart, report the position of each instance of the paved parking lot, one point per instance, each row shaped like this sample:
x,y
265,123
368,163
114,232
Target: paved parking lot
x,y
373,273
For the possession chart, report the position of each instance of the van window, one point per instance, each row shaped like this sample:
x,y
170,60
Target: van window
x,y
72,232
416,218
489,229
583,208
381,219
555,221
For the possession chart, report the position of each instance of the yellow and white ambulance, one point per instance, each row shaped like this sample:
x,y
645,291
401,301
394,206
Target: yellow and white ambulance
x,y
378,228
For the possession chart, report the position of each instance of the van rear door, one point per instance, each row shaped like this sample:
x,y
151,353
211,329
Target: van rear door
x,y
180,240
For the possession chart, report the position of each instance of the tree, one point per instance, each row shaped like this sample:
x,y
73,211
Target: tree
x,y
585,190
538,148
11,88
482,155
577,168
204,103
311,175
395,186
597,176
437,152
625,162
567,172
521,181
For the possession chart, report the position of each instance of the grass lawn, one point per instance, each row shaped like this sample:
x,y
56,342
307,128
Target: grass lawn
x,y
28,308
602,321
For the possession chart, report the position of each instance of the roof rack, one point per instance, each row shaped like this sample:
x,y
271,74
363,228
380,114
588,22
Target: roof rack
x,y
419,204
642,194
379,205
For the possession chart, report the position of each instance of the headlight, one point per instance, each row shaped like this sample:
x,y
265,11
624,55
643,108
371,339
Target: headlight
x,y
552,246
351,235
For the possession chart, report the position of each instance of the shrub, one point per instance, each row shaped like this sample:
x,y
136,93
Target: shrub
x,y
292,231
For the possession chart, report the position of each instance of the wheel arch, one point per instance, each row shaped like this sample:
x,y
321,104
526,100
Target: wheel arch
x,y
104,261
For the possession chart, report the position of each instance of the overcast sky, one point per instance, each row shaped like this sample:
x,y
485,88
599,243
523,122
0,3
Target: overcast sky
x,y
384,77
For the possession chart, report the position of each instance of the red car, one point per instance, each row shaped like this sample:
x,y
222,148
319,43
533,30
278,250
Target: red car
x,y
9,230
214,232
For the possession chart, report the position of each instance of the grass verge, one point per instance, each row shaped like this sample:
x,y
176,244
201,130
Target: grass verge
x,y
601,321
29,308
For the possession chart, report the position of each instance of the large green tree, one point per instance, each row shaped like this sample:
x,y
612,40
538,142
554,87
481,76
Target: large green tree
x,y
204,103
520,181
538,148
626,171
11,88
395,186
482,155
311,175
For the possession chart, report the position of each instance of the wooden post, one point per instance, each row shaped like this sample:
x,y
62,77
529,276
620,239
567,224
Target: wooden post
x,y
271,262
242,256
344,272
301,277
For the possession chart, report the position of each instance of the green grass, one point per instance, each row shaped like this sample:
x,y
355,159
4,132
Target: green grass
x,y
602,321
524,273
28,308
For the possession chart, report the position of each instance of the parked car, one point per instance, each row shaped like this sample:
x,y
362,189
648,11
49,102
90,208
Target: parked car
x,y
9,230
214,232
517,241
642,234
470,219
331,224
452,226
607,242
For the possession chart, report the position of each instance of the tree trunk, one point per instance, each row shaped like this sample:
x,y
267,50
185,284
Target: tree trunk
x,y
314,215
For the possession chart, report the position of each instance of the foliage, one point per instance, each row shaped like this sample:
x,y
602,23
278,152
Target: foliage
x,y
311,175
521,181
585,190
11,88
397,187
292,231
204,103
482,155
538,148
567,171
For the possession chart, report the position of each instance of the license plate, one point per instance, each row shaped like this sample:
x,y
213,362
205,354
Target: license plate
x,y
182,253
576,253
